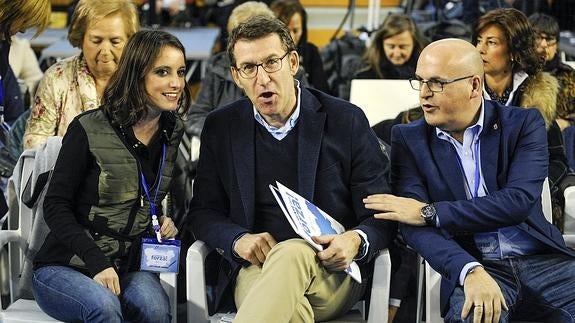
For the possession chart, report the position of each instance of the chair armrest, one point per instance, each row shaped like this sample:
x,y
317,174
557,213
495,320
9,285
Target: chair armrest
x,y
569,240
432,294
197,301
569,210
379,302
7,236
169,283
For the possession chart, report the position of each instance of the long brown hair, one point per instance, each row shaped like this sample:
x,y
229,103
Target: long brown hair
x,y
393,25
125,99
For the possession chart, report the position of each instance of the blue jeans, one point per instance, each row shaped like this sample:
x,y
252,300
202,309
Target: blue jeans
x,y
536,288
68,295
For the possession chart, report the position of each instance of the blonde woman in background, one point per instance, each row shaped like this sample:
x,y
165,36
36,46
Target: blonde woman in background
x,y
100,28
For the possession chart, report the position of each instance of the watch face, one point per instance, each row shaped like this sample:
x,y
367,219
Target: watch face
x,y
428,211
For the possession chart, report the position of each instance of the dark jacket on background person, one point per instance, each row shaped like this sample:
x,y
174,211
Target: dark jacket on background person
x,y
13,101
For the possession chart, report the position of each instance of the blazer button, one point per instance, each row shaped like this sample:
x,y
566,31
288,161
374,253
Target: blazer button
x,y
220,251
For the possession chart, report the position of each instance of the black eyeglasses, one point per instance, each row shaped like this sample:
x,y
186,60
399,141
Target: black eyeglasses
x,y
434,85
249,71
550,40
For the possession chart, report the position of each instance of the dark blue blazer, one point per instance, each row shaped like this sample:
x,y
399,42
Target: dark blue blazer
x,y
514,162
339,163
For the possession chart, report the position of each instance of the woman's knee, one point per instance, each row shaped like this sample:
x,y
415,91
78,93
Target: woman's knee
x,y
106,309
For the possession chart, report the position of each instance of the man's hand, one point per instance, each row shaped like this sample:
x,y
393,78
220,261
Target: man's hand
x,y
168,229
109,279
394,208
483,295
255,247
340,249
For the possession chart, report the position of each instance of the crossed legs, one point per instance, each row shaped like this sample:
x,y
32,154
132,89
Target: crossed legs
x,y
292,287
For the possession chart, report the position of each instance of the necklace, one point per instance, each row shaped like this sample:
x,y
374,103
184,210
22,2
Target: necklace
x,y
501,99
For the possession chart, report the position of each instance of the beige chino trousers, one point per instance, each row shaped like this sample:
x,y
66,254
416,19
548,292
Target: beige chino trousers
x,y
293,287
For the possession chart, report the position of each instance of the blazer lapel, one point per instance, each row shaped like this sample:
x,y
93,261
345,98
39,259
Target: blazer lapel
x,y
445,158
490,138
243,152
311,124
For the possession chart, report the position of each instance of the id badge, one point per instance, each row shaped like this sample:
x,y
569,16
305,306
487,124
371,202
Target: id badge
x,y
160,257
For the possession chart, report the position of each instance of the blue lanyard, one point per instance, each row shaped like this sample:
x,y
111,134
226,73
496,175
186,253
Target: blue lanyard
x,y
155,222
477,175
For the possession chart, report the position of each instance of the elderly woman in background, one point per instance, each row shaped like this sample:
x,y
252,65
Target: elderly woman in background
x,y
394,50
293,14
514,76
100,28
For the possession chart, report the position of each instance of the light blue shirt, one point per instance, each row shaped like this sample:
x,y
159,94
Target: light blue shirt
x,y
468,154
281,133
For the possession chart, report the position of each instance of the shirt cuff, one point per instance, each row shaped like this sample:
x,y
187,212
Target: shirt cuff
x,y
394,302
466,270
238,258
364,247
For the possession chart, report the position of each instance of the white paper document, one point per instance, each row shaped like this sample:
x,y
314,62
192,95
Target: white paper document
x,y
308,220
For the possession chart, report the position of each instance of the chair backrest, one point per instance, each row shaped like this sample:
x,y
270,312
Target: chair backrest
x,y
26,189
383,99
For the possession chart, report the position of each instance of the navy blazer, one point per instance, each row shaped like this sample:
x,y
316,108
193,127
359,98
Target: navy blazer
x,y
339,163
514,162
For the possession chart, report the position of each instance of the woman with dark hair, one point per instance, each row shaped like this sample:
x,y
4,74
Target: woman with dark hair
x,y
114,168
546,31
394,50
514,76
293,14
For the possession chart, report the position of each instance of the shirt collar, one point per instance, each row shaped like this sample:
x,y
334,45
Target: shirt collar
x,y
476,128
280,133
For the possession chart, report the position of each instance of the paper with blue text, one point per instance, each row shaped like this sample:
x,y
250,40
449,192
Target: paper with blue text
x,y
308,220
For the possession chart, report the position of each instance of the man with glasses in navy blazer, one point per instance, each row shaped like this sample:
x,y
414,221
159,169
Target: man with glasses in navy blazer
x,y
467,180
317,145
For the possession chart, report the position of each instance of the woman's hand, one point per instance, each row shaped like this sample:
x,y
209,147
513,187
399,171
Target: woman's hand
x,y
168,228
109,279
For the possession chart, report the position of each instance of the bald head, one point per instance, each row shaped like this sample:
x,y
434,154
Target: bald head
x,y
451,85
456,56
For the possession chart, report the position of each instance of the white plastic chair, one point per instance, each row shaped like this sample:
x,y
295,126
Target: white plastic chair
x,y
382,99
197,303
433,279
18,235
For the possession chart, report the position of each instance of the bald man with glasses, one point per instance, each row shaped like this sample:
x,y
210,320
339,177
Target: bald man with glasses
x,y
467,181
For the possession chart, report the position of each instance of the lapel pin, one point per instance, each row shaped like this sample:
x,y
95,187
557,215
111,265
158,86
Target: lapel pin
x,y
495,126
